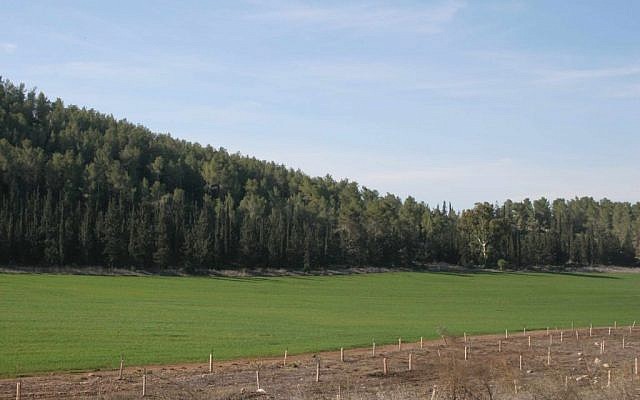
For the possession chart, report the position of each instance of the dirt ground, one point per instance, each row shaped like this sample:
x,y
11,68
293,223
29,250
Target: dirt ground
x,y
556,366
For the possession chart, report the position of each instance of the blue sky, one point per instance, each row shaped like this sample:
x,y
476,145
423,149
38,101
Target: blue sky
x,y
461,101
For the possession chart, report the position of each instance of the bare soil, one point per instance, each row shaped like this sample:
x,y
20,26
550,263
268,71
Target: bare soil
x,y
576,370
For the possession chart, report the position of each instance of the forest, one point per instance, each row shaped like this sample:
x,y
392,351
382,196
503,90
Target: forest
x,y
82,188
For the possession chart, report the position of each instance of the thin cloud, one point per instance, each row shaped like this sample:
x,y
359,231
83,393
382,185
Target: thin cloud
x,y
366,17
499,179
348,76
575,75
8,48
629,92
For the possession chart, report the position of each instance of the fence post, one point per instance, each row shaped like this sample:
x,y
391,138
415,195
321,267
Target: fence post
x,y
144,382
549,356
520,362
121,366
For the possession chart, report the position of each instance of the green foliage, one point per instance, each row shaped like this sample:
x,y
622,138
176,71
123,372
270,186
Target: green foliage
x,y
70,322
80,187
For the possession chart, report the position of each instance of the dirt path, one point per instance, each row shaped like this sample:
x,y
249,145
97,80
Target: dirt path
x,y
575,365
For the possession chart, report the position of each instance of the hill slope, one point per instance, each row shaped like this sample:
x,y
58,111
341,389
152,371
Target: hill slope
x,y
81,187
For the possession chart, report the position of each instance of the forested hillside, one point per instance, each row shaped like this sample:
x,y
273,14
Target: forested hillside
x,y
80,187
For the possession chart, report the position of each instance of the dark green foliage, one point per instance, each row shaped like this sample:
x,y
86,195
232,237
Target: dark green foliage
x,y
79,187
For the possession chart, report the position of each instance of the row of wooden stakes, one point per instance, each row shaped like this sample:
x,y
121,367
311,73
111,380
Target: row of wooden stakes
x,y
467,351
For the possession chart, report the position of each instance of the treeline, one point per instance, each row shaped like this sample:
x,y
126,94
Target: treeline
x,y
80,187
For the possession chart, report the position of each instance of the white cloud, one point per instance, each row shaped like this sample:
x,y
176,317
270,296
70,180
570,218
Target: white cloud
x,y
367,17
8,48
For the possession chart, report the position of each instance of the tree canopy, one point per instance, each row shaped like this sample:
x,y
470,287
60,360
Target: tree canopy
x,y
80,187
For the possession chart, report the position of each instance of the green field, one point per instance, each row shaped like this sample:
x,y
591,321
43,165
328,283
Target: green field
x,y
66,322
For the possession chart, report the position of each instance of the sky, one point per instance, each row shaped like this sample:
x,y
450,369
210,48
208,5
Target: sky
x,y
463,101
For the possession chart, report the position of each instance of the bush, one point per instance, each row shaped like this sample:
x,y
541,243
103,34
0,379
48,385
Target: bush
x,y
503,264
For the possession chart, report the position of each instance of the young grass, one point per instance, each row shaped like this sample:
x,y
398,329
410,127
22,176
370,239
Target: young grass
x,y
65,322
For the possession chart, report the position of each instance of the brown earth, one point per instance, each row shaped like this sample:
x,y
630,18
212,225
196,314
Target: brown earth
x,y
577,370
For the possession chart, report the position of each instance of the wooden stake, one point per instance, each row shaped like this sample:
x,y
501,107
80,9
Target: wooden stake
x,y
566,382
121,366
399,343
433,394
609,378
499,346
18,390
465,353
284,360
549,356
421,343
561,336
515,386
577,336
318,370
623,342
373,349
410,360
506,334
550,340
529,341
341,354
520,362
211,362
590,329
258,379
615,324
635,367
144,382
609,331
465,337
547,330
438,352
384,365
524,331
339,397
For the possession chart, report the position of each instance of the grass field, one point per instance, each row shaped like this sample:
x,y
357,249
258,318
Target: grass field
x,y
66,322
